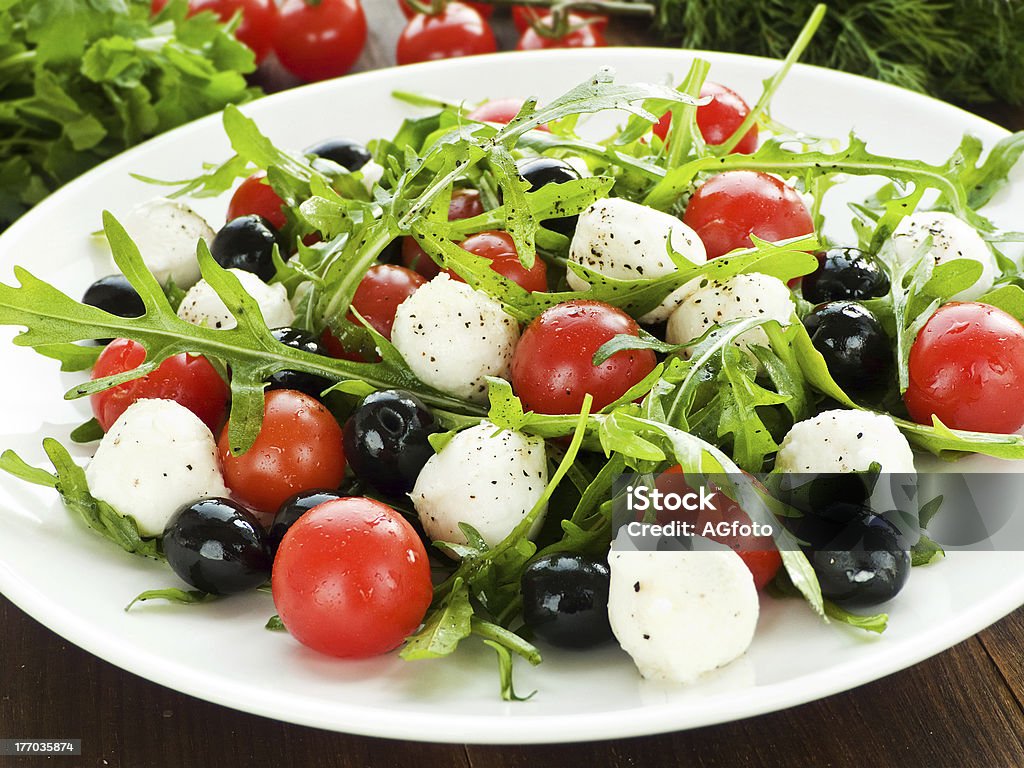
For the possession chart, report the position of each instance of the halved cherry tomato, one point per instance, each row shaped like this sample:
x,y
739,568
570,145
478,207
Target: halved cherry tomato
x,y
758,553
318,41
484,9
553,368
351,578
501,111
189,381
730,207
259,17
499,248
457,31
583,35
718,119
256,196
465,204
298,449
967,368
381,290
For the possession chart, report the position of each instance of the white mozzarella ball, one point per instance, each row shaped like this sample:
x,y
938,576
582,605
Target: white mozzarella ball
x,y
487,477
202,305
952,239
845,441
453,337
738,298
629,241
167,233
157,457
371,174
681,614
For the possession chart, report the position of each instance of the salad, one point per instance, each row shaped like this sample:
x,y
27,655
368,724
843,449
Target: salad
x,y
401,386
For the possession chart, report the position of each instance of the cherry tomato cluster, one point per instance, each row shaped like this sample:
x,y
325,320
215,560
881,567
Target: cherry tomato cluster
x,y
450,29
313,41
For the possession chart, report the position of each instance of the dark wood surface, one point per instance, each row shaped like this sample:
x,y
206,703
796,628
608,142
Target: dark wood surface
x,y
962,709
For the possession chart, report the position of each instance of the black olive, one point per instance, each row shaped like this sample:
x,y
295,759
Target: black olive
x,y
565,600
217,546
292,510
541,171
845,273
867,564
386,440
114,294
309,383
349,154
246,243
857,351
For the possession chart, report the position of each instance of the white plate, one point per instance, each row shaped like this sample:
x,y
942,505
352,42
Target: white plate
x,y
77,584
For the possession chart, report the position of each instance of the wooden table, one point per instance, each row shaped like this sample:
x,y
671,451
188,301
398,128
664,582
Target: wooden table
x,y
963,709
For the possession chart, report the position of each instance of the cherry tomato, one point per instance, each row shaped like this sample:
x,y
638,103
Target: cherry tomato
x,y
758,553
718,119
465,204
298,449
381,290
457,31
552,368
484,9
523,16
259,17
967,368
256,196
589,35
318,41
728,208
499,248
351,579
497,111
189,381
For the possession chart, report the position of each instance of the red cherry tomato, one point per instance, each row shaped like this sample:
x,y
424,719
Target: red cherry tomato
x,y
718,119
298,449
967,368
499,248
457,31
259,17
758,553
590,35
465,204
728,208
351,579
318,41
524,16
484,9
189,381
552,368
255,195
381,290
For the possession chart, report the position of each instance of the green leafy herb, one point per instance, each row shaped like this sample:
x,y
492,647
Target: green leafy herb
x,y
173,595
69,481
274,624
81,80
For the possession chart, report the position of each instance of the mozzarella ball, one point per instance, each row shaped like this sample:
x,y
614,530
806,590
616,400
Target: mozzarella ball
x,y
167,233
202,305
453,337
370,175
845,441
952,239
487,477
738,298
629,241
681,614
157,457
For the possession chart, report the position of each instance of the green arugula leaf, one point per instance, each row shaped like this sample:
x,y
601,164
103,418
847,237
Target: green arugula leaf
x,y
925,552
444,629
274,624
173,595
876,623
87,432
952,444
508,691
1009,298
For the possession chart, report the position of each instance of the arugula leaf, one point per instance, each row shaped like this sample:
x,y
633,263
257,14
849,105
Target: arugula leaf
x,y
1009,298
69,481
446,626
508,691
925,552
87,432
952,444
274,624
876,623
173,595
